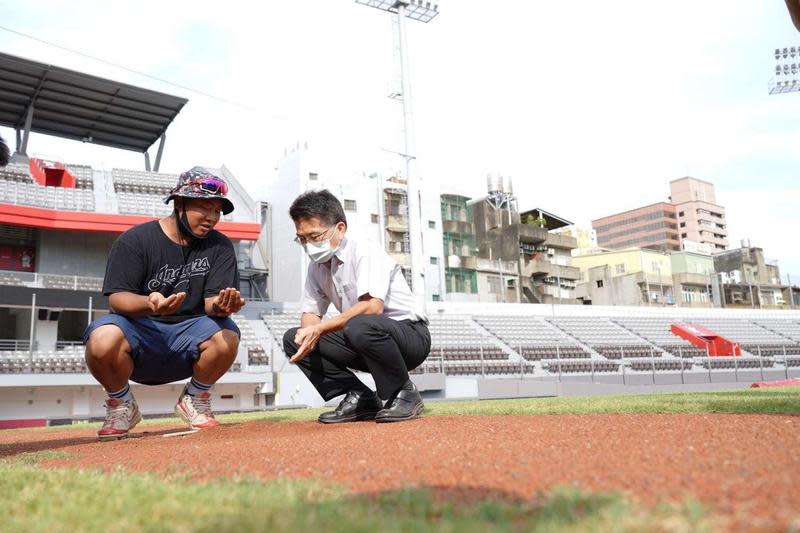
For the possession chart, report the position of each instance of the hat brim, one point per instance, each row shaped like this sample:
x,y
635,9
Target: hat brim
x,y
227,205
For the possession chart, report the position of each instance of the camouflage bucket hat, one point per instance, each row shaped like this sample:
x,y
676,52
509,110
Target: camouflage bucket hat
x,y
199,182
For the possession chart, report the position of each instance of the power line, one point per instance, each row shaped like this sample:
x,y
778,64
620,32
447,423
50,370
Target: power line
x,y
127,69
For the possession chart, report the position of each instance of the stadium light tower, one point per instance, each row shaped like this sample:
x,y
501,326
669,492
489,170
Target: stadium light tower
x,y
422,11
787,71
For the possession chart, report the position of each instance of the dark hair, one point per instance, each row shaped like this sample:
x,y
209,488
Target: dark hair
x,y
320,204
5,155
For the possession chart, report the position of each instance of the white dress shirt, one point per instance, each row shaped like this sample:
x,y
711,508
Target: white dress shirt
x,y
356,269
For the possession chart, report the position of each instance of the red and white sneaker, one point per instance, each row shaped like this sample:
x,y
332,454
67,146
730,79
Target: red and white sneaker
x,y
121,417
196,410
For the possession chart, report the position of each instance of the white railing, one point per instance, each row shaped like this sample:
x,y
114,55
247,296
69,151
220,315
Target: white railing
x,y
50,281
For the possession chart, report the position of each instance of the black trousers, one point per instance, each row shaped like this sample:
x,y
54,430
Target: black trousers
x,y
385,348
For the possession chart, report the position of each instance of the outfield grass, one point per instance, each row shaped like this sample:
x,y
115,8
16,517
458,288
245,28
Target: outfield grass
x,y
71,500
742,401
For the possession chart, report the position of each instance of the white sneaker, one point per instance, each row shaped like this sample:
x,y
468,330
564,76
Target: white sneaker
x,y
121,417
196,410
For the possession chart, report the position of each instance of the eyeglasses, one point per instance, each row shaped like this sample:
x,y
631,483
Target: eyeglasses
x,y
207,184
314,237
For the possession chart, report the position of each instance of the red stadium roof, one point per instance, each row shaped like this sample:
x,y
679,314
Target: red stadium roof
x,y
34,217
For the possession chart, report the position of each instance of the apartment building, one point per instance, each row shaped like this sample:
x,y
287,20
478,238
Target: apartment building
x,y
653,226
700,219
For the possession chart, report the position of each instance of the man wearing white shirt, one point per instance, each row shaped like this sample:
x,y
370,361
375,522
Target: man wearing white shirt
x,y
380,329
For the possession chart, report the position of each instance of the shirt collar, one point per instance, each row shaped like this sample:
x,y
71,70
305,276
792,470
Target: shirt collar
x,y
342,252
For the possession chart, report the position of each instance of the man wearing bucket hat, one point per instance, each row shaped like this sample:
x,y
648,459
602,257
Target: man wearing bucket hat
x,y
171,286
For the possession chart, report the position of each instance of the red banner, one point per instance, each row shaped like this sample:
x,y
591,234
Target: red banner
x,y
17,258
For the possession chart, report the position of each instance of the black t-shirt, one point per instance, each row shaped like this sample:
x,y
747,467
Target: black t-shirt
x,y
144,260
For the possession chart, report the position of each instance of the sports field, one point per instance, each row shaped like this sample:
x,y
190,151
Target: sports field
x,y
679,462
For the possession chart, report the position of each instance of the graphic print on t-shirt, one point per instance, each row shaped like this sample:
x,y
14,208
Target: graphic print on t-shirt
x,y
175,277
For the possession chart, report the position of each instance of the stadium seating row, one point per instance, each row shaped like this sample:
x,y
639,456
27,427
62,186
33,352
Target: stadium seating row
x,y
142,204
24,193
635,344
52,363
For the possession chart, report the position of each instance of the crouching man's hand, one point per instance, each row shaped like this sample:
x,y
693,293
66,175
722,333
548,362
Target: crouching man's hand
x,y
227,302
160,305
307,338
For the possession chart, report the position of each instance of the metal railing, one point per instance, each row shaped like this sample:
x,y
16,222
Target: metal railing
x,y
17,345
39,280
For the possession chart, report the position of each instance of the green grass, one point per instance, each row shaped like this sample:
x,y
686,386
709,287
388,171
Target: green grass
x,y
742,401
71,500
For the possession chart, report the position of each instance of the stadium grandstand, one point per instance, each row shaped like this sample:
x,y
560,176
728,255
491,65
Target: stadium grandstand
x,y
515,350
58,220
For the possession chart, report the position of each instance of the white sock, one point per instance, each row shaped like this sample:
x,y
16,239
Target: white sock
x,y
196,388
123,395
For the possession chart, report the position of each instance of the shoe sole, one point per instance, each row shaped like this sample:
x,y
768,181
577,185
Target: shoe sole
x,y
414,414
355,418
105,438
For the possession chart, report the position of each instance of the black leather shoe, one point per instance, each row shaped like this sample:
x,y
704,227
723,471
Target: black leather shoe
x,y
405,406
355,406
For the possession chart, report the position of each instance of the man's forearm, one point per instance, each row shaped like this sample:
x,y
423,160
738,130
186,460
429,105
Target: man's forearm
x,y
366,307
309,319
129,304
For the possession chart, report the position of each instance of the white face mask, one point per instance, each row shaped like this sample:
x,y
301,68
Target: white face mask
x,y
319,252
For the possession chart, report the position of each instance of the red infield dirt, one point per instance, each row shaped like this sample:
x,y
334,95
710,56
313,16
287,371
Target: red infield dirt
x,y
745,467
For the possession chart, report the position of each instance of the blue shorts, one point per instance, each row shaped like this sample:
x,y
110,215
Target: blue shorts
x,y
161,352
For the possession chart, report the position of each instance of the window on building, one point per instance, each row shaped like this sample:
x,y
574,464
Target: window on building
x,y
459,280
683,235
432,224
683,224
620,268
374,218
680,214
494,284
599,283
434,260
349,205
436,298
313,176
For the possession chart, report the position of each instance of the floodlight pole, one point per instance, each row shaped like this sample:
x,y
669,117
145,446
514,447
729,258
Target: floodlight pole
x,y
400,9
412,184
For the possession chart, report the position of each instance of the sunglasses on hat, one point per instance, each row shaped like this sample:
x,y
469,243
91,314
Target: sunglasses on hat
x,y
207,184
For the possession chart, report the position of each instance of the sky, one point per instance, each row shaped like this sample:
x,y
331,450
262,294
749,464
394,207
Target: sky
x,y
590,107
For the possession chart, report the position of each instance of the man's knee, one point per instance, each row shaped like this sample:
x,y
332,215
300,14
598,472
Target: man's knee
x,y
288,341
106,341
225,342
